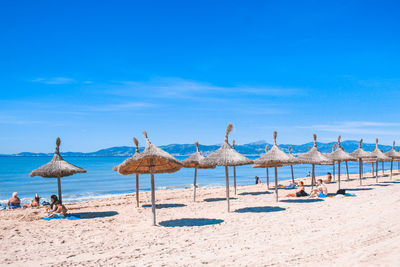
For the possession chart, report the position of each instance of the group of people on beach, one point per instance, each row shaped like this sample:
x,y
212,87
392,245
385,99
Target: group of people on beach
x,y
320,191
56,207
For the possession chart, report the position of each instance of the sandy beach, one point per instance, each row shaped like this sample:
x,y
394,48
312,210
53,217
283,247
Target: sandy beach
x,y
360,230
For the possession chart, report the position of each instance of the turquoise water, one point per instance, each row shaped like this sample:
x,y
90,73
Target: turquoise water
x,y
101,181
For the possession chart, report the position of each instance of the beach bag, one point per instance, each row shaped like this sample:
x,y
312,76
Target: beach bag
x,y
341,192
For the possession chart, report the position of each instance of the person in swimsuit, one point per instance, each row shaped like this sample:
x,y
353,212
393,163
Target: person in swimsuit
x,y
258,181
328,178
320,190
14,202
35,202
299,192
57,209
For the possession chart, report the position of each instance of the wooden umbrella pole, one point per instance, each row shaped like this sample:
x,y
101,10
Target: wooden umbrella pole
x,y
333,170
360,170
59,189
376,172
383,168
291,168
276,184
347,170
227,187
391,169
267,178
153,200
234,178
137,190
194,184
313,176
373,171
338,175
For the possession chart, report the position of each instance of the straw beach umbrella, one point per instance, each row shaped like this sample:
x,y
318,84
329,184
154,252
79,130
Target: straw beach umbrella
x,y
151,161
313,157
393,154
226,156
379,156
275,157
361,154
340,155
193,161
116,168
57,168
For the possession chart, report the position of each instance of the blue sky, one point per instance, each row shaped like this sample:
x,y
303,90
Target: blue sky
x,y
97,73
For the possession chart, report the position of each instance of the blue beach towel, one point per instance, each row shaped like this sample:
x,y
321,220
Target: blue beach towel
x,y
58,216
350,195
322,195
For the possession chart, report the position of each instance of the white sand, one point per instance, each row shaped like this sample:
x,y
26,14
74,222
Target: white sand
x,y
362,230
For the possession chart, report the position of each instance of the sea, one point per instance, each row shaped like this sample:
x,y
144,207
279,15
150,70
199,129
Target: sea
x,y
101,181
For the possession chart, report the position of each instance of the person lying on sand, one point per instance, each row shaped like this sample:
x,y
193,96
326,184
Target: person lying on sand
x,y
35,203
299,192
14,202
320,190
328,178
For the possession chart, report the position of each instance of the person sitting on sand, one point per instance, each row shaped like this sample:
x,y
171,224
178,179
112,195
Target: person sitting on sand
x,y
14,202
258,181
328,178
57,209
299,192
320,190
35,202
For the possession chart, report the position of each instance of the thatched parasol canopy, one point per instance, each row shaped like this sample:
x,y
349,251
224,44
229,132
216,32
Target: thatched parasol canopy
x,y
361,154
340,155
379,156
193,161
116,168
151,160
314,156
57,168
226,156
393,154
275,157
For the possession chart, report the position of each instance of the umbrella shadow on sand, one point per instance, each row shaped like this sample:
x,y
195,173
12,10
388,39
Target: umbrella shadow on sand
x,y
218,199
259,209
190,222
93,215
254,193
302,200
164,206
392,182
380,184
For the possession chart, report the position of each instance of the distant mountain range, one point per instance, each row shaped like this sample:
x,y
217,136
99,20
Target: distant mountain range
x,y
251,149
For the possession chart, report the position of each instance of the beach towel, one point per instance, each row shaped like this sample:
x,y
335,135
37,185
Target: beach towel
x,y
321,195
350,195
60,216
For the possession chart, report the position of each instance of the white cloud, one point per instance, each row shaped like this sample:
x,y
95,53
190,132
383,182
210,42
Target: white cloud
x,y
55,80
359,127
120,106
